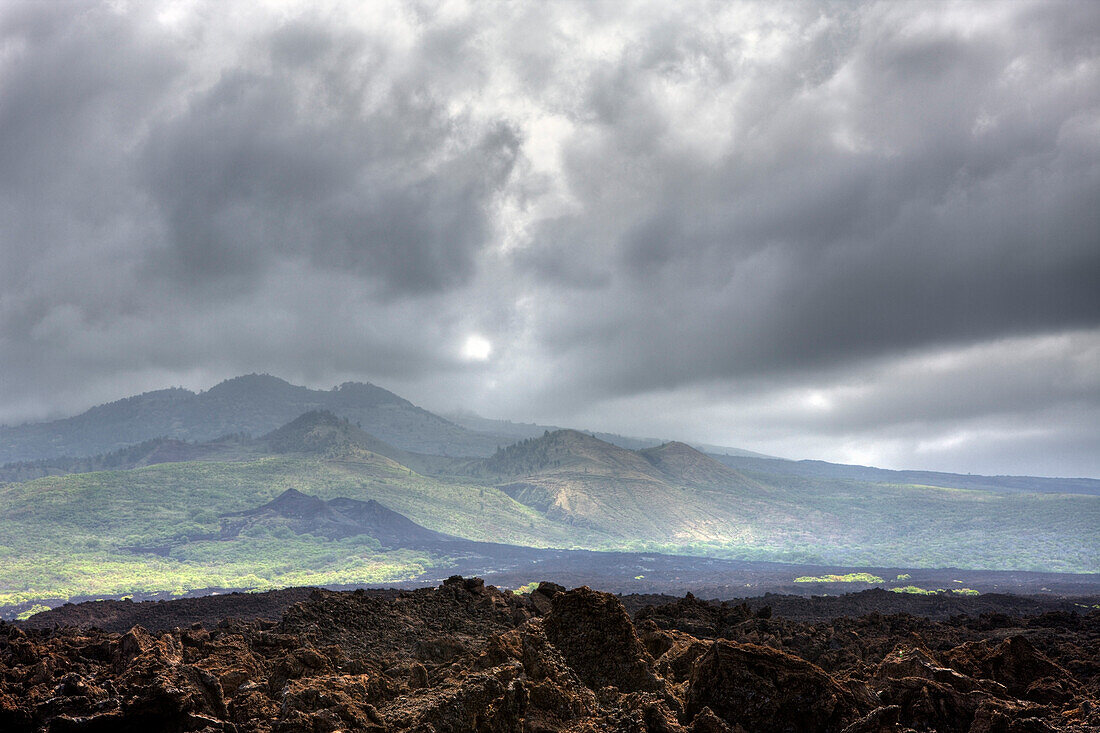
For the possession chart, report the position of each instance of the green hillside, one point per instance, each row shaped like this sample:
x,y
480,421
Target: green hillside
x,y
63,536
676,499
76,534
670,494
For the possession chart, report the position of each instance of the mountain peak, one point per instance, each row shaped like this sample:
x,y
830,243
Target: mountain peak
x,y
684,464
674,447
253,404
570,451
293,503
312,432
251,385
343,517
322,431
365,394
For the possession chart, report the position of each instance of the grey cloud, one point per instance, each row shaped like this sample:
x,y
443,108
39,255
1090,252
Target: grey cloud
x,y
925,234
257,168
293,202
724,203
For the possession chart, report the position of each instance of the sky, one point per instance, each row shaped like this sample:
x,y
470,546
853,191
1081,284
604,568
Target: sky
x,y
859,232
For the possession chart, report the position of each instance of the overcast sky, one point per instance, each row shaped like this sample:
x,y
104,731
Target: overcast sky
x,y
858,232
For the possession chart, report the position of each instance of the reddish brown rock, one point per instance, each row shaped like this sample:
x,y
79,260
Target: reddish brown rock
x,y
332,702
1025,671
596,637
676,663
466,657
768,691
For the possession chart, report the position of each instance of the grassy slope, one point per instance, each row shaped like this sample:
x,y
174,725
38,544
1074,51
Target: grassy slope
x,y
60,536
675,499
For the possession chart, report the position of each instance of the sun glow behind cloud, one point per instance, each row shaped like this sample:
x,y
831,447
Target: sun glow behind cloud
x,y
476,348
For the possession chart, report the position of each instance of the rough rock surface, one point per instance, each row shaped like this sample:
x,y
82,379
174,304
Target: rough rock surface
x,y
765,689
467,657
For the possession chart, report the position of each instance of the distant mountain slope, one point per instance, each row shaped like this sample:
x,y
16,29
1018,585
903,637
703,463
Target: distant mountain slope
x,y
341,517
253,404
317,433
568,451
670,491
522,430
321,431
680,463
147,453
779,469
160,527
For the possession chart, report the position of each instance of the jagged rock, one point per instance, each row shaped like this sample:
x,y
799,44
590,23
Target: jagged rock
x,y
699,618
1007,717
880,720
907,660
929,705
767,690
418,676
552,691
677,662
596,637
466,657
467,705
302,662
707,722
232,660
540,597
1025,671
334,702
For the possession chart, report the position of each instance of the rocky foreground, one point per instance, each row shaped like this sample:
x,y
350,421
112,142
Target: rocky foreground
x,y
467,657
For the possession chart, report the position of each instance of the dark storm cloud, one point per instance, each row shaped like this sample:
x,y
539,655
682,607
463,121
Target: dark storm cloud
x,y
870,225
795,248
297,160
224,193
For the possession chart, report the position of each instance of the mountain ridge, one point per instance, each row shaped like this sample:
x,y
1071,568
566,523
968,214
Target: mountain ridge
x,y
815,469
521,430
173,420
255,404
342,517
672,490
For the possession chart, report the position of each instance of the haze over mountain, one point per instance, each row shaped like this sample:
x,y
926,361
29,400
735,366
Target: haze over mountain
x,y
240,418
519,431
779,467
253,404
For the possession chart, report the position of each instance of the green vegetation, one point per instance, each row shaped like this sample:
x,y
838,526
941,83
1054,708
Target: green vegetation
x,y
63,536
36,608
526,588
631,503
903,576
923,592
848,578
